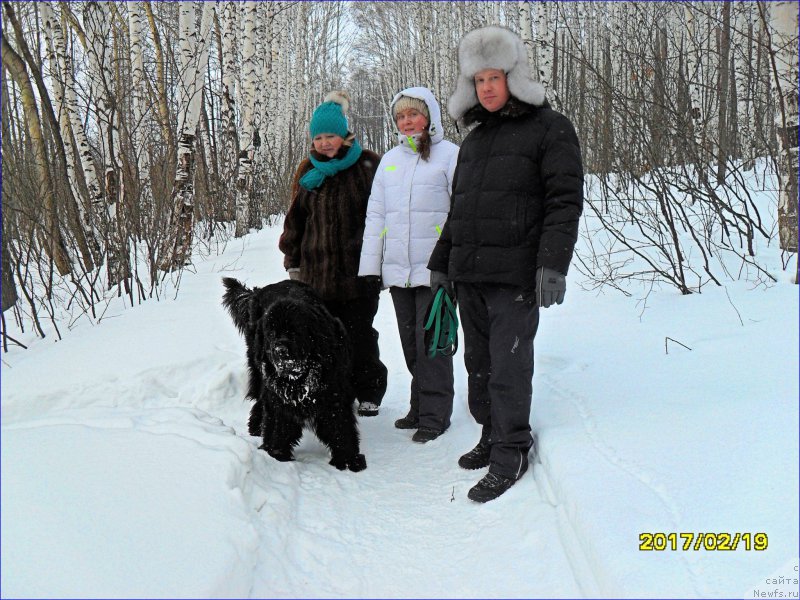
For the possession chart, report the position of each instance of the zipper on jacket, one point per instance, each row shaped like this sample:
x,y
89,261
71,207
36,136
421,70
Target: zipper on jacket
x,y
410,191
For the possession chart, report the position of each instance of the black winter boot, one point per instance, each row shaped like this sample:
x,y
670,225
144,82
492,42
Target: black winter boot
x,y
408,422
426,434
490,487
478,457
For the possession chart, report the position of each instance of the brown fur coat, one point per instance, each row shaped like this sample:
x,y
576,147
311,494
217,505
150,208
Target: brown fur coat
x,y
324,229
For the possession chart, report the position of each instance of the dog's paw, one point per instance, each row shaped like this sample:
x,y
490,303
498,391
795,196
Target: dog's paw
x,y
339,463
281,455
358,463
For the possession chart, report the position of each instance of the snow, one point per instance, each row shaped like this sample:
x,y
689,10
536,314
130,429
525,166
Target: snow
x,y
127,470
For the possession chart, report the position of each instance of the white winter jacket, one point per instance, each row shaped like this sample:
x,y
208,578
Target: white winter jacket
x,y
408,205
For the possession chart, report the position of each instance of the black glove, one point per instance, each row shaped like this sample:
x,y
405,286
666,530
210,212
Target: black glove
x,y
440,280
373,281
550,287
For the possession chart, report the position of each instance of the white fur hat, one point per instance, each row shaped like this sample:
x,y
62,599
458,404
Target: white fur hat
x,y
493,48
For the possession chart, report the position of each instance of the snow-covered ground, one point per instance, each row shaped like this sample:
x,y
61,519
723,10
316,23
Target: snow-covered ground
x,y
127,470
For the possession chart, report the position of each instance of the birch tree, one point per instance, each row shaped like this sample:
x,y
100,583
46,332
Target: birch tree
x,y
525,30
192,60
140,138
97,26
744,61
783,53
544,47
58,81
228,18
696,55
723,88
248,111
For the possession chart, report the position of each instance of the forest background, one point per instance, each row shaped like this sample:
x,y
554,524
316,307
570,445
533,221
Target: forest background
x,y
134,133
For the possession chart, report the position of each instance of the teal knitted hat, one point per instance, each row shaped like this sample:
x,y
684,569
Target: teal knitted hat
x,y
329,117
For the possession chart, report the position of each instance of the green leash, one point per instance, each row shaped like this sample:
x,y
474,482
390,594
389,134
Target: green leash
x,y
441,326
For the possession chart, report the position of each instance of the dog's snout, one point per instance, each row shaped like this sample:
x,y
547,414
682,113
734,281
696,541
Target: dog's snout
x,y
281,352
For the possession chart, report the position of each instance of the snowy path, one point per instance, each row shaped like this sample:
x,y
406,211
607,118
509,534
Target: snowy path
x,y
125,454
405,528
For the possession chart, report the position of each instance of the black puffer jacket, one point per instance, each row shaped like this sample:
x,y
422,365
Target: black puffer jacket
x,y
517,197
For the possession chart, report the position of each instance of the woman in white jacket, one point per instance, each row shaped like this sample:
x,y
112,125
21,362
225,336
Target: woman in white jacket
x,y
408,205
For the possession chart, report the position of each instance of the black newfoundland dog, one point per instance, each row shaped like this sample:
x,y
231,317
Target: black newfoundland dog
x,y
299,360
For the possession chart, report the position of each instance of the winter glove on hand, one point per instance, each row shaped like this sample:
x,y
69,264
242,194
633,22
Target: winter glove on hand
x,y
550,287
440,280
373,280
294,274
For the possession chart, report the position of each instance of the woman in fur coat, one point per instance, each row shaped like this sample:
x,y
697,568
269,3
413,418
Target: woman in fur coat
x,y
322,236
409,204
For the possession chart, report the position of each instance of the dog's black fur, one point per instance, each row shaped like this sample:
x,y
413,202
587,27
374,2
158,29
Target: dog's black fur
x,y
299,359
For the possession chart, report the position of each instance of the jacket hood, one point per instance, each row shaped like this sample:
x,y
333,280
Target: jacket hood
x,y
493,48
435,128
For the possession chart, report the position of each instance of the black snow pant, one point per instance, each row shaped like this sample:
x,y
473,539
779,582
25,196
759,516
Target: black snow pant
x,y
431,378
500,322
369,373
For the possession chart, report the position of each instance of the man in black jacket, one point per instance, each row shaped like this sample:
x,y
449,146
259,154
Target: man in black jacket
x,y
508,240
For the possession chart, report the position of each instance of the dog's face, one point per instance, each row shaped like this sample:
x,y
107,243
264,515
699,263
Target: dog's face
x,y
291,364
286,360
294,343
287,342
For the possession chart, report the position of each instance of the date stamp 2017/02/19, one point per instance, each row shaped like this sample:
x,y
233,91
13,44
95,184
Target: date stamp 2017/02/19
x,y
691,541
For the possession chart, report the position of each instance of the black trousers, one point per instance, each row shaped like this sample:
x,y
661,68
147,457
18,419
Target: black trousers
x,y
431,378
369,373
499,324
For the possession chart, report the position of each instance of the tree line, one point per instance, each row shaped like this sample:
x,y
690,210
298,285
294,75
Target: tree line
x,y
134,132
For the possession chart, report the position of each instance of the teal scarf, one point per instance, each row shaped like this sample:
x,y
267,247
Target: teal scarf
x,y
328,168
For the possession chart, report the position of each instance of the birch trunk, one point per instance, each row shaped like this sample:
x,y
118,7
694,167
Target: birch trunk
x,y
192,61
723,149
297,86
783,26
229,21
142,143
744,61
71,126
97,26
98,34
280,96
277,117
58,81
694,63
268,78
264,153
544,50
526,33
248,100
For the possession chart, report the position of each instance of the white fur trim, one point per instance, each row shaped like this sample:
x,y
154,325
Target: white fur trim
x,y
422,93
493,48
341,97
